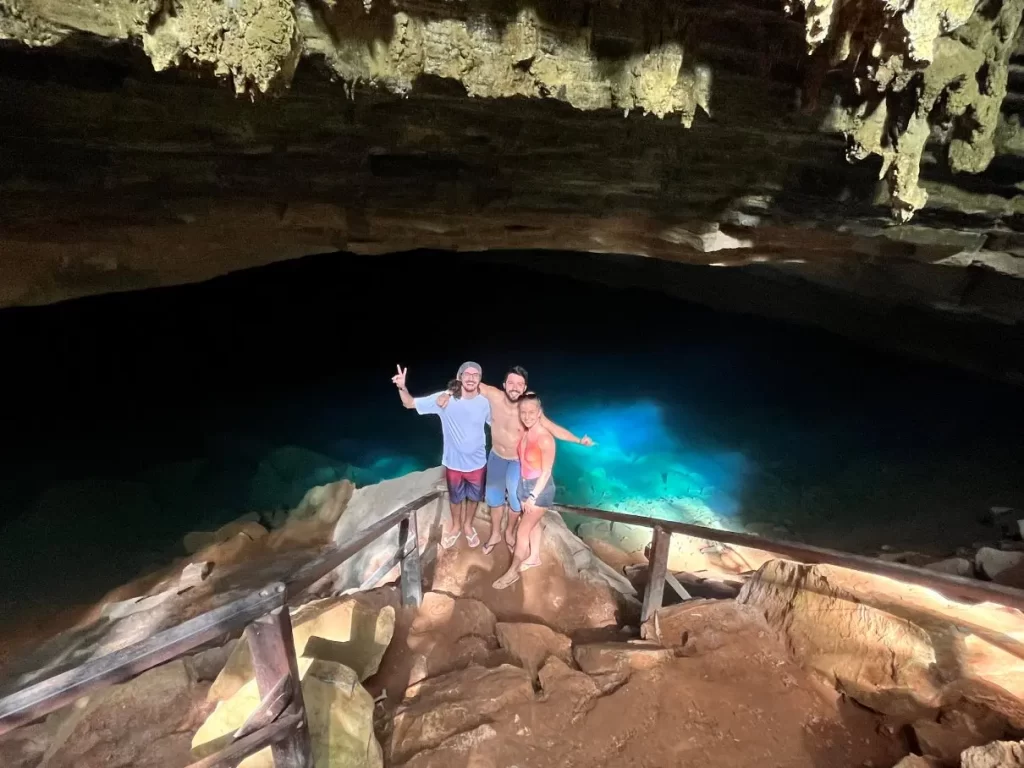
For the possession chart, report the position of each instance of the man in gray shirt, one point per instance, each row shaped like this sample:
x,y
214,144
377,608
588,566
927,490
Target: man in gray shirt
x,y
464,455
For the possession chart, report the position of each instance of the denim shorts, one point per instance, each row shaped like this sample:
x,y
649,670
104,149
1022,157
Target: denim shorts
x,y
543,499
502,482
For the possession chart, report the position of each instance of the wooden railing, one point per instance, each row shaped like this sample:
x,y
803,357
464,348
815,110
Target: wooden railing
x,y
954,587
280,719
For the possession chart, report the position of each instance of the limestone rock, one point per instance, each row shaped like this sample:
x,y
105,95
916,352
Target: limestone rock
x,y
532,644
998,754
916,761
607,658
992,562
456,617
957,566
704,625
25,747
338,709
340,630
207,665
956,731
143,723
440,708
897,648
558,680
448,634
249,525
368,505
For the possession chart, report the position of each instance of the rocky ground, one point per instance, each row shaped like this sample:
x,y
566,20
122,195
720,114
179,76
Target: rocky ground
x,y
794,665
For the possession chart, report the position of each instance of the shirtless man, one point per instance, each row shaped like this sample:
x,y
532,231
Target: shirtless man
x,y
503,461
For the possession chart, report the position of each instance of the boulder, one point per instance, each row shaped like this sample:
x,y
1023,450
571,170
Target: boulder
x,y
448,634
338,709
579,561
143,723
368,505
687,554
25,747
248,524
916,761
992,562
957,730
618,658
998,754
340,630
699,626
440,708
896,648
957,566
559,681
207,665
532,644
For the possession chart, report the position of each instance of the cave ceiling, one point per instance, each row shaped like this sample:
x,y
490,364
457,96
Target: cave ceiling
x,y
873,147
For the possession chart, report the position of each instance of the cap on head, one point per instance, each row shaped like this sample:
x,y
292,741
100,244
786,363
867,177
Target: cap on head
x,y
470,364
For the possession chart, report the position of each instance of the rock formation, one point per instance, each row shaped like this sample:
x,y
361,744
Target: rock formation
x,y
157,143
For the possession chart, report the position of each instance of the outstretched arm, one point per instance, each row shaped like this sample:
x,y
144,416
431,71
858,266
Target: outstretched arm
x,y
562,433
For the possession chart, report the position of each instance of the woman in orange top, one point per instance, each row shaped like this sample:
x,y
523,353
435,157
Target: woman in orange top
x,y
536,488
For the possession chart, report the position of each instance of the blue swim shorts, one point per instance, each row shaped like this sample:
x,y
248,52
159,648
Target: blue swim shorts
x,y
502,482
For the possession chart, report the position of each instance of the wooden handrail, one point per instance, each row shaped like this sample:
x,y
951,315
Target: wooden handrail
x,y
264,616
956,587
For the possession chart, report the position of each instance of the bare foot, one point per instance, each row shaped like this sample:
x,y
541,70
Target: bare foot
x,y
529,563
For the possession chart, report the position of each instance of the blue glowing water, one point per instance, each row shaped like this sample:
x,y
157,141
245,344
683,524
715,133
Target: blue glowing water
x,y
182,409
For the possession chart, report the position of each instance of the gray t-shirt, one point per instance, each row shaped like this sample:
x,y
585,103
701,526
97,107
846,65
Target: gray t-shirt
x,y
462,425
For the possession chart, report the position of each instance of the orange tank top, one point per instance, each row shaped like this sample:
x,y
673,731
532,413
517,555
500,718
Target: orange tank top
x,y
531,460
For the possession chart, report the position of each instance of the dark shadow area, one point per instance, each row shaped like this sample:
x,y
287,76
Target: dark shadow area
x,y
143,416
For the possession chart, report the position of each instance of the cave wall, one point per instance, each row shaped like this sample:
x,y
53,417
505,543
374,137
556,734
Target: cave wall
x,y
878,154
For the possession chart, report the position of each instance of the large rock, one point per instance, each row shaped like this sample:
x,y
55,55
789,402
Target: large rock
x,y
998,754
705,625
338,709
341,630
532,644
440,708
611,658
368,505
143,723
687,554
897,648
448,634
247,525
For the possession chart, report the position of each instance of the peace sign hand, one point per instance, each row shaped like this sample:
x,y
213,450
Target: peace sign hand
x,y
399,378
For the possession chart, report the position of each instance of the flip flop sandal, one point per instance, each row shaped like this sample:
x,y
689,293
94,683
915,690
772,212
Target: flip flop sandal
x,y
523,567
473,540
449,541
488,548
495,585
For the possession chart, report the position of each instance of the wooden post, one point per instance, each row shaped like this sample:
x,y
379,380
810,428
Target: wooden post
x,y
409,547
273,655
655,591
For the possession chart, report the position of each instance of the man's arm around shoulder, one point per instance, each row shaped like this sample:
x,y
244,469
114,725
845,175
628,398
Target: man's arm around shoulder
x,y
562,433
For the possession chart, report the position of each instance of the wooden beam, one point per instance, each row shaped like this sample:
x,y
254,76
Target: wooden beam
x,y
232,755
51,694
953,587
316,569
273,656
412,576
654,594
680,590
